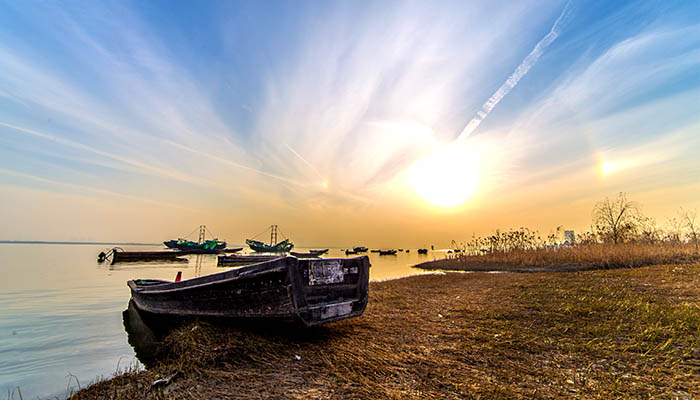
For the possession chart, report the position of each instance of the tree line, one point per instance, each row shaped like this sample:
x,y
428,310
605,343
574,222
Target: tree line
x,y
614,221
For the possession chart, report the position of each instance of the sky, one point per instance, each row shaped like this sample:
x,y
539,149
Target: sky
x,y
387,123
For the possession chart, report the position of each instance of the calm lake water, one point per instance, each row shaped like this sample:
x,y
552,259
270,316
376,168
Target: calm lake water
x,y
61,311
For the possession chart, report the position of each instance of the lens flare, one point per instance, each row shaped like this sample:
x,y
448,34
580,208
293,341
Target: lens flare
x,y
447,178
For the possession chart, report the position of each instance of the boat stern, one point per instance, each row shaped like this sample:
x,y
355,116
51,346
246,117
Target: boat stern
x,y
331,289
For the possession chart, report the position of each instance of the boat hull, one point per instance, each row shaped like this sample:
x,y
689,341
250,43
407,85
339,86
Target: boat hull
x,y
136,256
260,247
309,291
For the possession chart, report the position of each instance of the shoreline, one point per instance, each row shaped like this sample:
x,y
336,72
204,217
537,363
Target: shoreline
x,y
603,333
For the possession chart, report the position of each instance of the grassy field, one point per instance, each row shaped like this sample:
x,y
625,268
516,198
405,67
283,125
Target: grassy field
x,y
623,333
570,258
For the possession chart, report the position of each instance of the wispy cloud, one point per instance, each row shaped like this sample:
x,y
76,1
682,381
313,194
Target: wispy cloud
x,y
518,74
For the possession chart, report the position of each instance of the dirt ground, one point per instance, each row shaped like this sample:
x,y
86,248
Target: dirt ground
x,y
625,333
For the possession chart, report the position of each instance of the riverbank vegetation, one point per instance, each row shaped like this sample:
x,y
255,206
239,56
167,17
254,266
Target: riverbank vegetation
x,y
621,236
624,333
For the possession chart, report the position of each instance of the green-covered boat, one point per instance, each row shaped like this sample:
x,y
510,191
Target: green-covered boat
x,y
274,246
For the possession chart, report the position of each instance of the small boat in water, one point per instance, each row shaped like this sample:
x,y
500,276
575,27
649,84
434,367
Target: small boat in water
x,y
375,250
304,255
201,246
117,254
387,252
422,251
310,291
360,249
236,260
350,252
319,252
274,246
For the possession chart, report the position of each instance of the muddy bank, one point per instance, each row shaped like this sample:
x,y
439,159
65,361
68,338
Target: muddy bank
x,y
614,333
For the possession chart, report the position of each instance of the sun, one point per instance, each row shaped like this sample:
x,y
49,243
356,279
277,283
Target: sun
x,y
447,178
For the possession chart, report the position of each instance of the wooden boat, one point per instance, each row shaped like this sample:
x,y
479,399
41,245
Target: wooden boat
x,y
375,250
194,250
349,252
274,246
319,252
201,246
309,291
304,255
359,249
234,260
387,252
117,254
422,251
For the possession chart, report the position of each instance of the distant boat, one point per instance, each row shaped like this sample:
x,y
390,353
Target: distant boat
x,y
375,250
117,254
274,246
400,249
201,246
349,252
408,250
319,252
359,249
236,260
422,251
387,252
313,292
304,255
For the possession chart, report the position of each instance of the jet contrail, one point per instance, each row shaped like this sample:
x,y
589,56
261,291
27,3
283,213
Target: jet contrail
x,y
305,162
519,72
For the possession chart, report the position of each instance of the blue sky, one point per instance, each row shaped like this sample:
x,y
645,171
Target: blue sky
x,y
140,120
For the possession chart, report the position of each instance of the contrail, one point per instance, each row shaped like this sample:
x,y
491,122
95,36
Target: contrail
x,y
232,163
92,189
305,162
519,72
146,168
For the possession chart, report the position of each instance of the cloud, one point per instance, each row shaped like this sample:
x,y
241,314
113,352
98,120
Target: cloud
x,y
518,74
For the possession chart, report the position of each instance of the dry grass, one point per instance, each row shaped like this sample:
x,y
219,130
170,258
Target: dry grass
x,y
625,333
572,258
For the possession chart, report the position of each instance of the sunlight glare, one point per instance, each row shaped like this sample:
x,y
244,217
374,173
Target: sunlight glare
x,y
607,167
446,178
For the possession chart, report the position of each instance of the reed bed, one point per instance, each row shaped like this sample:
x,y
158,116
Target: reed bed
x,y
624,333
570,258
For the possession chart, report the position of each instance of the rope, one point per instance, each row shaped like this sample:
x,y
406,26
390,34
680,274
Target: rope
x,y
191,233
260,234
210,232
282,234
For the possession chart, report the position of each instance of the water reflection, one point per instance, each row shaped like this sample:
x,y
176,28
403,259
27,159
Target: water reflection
x,y
145,333
61,310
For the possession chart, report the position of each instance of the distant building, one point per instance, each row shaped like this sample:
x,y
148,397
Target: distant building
x,y
569,237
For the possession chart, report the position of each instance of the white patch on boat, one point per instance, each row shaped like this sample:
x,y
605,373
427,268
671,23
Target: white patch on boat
x,y
335,310
323,272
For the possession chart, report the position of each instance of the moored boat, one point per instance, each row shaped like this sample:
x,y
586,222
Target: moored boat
x,y
422,251
274,246
200,246
309,254
117,254
235,260
360,249
306,290
387,252
319,252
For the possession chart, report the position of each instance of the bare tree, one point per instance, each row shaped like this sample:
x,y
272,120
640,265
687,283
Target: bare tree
x,y
648,231
616,220
688,218
674,230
